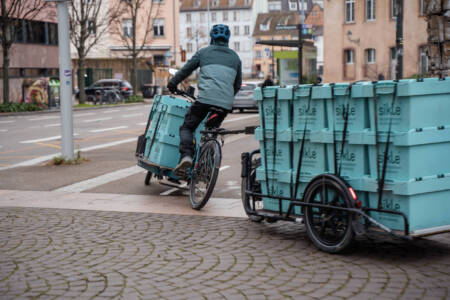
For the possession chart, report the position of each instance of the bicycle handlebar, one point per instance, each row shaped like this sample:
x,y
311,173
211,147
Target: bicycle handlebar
x,y
221,131
184,94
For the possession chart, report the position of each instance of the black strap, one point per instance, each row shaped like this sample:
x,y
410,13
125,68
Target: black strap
x,y
275,120
344,130
385,158
152,112
375,117
291,145
263,123
334,130
157,127
302,146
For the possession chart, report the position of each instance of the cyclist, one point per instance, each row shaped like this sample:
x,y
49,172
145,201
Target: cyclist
x,y
219,79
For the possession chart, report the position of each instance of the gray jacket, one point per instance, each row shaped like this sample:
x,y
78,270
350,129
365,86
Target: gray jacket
x,y
220,76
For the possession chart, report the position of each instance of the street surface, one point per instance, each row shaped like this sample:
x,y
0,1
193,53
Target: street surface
x,y
95,230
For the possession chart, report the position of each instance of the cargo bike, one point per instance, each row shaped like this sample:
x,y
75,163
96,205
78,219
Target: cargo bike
x,y
337,204
157,150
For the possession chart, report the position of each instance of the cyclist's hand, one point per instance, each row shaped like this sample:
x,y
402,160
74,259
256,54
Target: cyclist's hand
x,y
172,87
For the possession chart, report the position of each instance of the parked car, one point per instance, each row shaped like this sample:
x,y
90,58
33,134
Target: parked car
x,y
102,85
244,98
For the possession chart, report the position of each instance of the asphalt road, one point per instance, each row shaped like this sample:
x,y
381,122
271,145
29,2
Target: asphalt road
x,y
107,138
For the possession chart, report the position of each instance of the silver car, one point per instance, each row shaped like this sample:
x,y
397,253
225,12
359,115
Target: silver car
x,y
244,98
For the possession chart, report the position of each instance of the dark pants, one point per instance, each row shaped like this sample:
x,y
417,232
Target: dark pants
x,y
196,114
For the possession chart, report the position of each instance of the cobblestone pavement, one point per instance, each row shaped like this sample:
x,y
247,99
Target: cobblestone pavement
x,y
52,253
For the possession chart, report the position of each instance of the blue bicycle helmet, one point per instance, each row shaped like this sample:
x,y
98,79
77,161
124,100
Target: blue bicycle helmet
x,y
220,32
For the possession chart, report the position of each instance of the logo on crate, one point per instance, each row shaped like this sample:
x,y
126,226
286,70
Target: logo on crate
x,y
277,155
340,109
304,111
310,153
386,109
273,190
270,111
346,156
390,204
392,158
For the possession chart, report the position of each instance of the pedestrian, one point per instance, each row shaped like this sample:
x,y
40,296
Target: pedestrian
x,y
268,81
220,78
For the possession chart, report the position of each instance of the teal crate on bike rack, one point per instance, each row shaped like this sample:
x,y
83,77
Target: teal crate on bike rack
x,y
314,158
282,148
279,184
170,113
165,151
307,108
412,155
425,203
266,99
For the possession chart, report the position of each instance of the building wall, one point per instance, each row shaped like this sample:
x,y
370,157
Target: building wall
x,y
361,35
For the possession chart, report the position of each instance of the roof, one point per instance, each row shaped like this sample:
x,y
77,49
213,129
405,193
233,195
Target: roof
x,y
198,5
273,19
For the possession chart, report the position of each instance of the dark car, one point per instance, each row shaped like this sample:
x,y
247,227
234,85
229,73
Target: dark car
x,y
123,86
244,98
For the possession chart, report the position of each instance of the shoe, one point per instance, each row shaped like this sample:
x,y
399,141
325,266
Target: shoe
x,y
184,164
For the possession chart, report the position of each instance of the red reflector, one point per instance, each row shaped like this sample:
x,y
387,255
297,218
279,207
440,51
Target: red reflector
x,y
243,84
352,192
124,89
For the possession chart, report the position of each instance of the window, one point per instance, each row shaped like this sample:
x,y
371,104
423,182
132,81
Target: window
x,y
246,29
157,1
232,2
393,9
265,25
349,56
188,18
225,16
370,56
235,15
213,17
127,27
423,60
422,7
158,60
197,3
215,3
189,47
247,2
349,11
189,32
370,10
236,30
258,54
158,27
202,17
275,6
293,5
236,46
91,27
35,32
53,33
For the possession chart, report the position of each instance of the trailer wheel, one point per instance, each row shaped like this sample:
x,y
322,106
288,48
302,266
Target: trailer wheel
x,y
255,186
148,177
329,229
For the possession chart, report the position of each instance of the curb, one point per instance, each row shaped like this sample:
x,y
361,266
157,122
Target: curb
x,y
57,110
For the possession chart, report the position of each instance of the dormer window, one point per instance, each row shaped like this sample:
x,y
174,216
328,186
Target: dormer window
x,y
215,3
197,3
232,2
265,26
283,20
247,2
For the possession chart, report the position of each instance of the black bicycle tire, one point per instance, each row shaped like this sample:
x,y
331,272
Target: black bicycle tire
x,y
197,205
346,240
148,177
246,199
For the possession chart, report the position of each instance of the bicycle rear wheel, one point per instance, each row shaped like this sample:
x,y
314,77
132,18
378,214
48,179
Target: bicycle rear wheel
x,y
204,174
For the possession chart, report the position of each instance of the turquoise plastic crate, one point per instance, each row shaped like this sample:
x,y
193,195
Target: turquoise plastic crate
x,y
314,160
172,111
283,149
352,100
165,151
279,183
425,203
408,162
266,97
354,163
309,107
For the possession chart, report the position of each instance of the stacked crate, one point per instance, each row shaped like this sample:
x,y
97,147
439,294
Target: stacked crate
x,y
163,137
345,128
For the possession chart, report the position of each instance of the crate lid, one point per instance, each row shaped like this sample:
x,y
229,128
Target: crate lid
x,y
341,89
321,91
425,86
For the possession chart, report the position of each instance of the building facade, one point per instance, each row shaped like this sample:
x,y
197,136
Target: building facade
x,y
360,40
33,56
239,15
110,58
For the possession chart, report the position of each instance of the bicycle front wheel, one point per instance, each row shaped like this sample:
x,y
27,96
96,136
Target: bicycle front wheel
x,y
204,174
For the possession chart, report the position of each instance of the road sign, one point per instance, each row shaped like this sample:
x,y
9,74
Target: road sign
x,y
286,27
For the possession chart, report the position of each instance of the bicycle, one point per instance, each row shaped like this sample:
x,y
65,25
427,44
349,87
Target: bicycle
x,y
202,177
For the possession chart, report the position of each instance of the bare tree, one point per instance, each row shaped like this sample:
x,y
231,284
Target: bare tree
x,y
142,12
12,14
89,21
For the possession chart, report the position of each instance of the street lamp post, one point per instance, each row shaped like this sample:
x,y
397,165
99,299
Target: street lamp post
x,y
65,78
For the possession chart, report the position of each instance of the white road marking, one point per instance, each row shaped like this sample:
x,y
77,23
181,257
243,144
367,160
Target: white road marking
x,y
52,138
133,108
84,114
100,180
240,118
110,111
168,192
141,124
97,120
132,115
45,158
108,129
44,118
6,122
53,125
223,168
3,130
